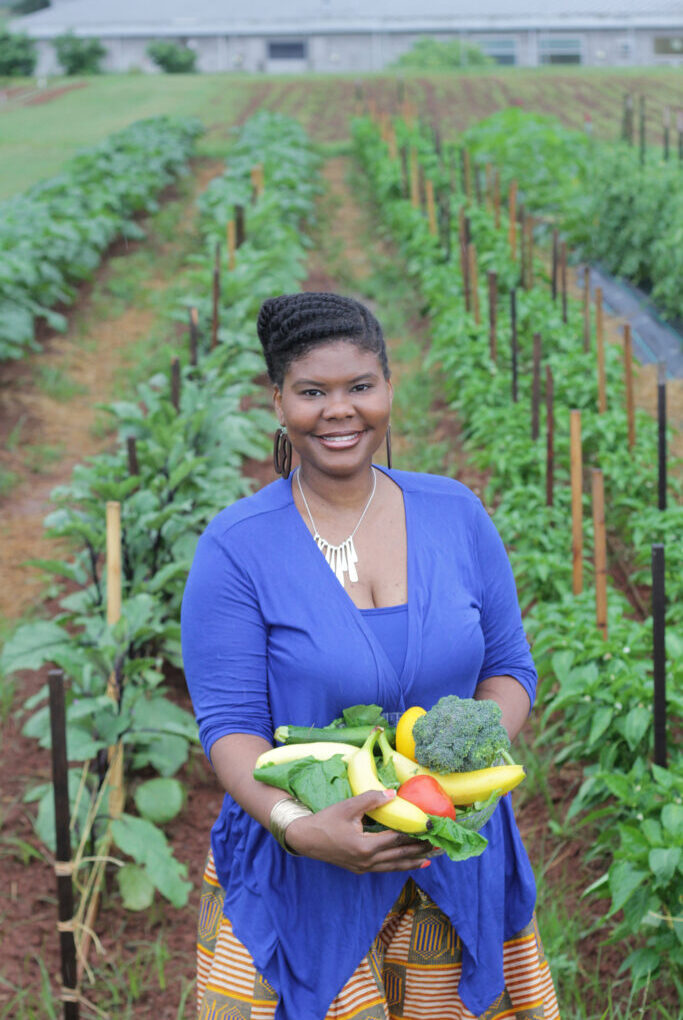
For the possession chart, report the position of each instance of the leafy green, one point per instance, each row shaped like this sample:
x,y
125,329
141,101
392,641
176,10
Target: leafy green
x,y
457,841
317,784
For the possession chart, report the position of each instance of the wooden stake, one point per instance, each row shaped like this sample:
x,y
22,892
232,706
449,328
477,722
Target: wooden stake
x,y
555,255
431,211
464,267
586,308
536,387
240,227
391,141
133,467
488,176
600,344
60,787
414,179
230,233
467,171
513,341
512,220
473,280
628,379
576,472
496,198
257,181
599,550
113,567
522,248
661,435
216,297
550,432
175,383
530,252
667,132
659,653
563,278
492,278
194,335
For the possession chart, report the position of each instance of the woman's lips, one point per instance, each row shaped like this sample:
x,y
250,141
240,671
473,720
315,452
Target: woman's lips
x,y
340,440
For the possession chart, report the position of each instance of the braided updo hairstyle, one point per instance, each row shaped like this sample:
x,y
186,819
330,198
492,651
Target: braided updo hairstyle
x,y
290,325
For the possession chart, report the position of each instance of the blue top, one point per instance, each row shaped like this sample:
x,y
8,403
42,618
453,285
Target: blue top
x,y
270,637
389,624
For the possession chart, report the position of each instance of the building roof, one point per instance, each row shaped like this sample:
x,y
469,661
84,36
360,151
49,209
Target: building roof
x,y
228,17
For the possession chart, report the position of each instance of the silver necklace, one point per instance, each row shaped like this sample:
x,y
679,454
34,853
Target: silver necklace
x,y
342,558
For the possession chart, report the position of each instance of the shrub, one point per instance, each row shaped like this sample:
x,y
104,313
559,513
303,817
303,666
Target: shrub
x,y
431,55
29,6
171,57
79,56
17,54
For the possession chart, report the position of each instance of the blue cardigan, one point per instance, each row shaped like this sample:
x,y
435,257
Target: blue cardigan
x,y
270,637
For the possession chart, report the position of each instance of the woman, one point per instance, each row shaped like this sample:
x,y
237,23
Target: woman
x,y
308,917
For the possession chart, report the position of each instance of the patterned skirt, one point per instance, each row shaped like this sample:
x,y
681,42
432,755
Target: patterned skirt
x,y
411,972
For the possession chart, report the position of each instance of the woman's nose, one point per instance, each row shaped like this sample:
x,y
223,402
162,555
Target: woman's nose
x,y
338,406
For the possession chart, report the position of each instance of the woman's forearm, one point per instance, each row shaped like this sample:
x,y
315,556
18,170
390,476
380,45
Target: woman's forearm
x,y
512,698
233,758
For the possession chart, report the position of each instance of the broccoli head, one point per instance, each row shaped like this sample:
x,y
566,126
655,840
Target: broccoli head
x,y
460,735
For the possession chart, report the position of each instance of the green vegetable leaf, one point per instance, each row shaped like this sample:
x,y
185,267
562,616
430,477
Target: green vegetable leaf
x,y
363,715
457,841
387,774
136,888
160,800
317,784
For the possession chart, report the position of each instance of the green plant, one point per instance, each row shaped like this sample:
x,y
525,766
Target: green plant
x,y
57,384
53,237
29,6
77,55
17,54
171,57
602,686
429,54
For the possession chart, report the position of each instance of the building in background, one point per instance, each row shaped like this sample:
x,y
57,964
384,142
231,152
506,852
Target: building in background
x,y
355,36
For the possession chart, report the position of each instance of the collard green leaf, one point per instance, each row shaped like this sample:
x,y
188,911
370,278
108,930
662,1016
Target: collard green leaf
x,y
457,841
135,886
160,800
32,645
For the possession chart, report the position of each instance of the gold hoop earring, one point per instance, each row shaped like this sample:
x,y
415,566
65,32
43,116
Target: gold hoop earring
x,y
282,452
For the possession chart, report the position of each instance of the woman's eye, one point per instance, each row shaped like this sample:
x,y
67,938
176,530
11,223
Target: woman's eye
x,y
362,386
310,393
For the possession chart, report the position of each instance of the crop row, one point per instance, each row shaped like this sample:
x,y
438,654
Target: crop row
x,y
620,211
53,236
595,693
189,447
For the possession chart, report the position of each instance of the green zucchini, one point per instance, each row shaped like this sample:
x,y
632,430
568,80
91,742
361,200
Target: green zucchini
x,y
356,735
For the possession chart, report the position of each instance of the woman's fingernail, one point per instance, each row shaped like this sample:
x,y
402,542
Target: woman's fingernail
x,y
390,794
425,864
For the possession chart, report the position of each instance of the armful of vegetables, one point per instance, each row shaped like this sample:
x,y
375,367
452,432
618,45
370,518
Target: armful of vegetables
x,y
323,773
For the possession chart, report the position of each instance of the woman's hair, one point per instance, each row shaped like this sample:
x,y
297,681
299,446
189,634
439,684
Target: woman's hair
x,y
290,325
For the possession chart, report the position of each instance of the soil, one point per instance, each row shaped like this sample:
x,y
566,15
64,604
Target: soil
x,y
130,943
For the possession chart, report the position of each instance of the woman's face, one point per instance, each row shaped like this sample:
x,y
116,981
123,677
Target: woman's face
x,y
336,404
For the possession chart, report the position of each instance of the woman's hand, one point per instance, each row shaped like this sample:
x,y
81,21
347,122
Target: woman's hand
x,y
335,835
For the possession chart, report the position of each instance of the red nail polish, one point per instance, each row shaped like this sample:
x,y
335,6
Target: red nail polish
x,y
425,864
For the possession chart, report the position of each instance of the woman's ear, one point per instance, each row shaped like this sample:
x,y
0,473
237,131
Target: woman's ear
x,y
277,404
391,391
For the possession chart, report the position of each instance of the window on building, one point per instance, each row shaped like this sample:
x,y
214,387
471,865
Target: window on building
x,y
287,50
669,45
503,51
559,50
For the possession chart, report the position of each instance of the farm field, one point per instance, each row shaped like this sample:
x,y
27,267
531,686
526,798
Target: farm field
x,y
118,332
34,142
